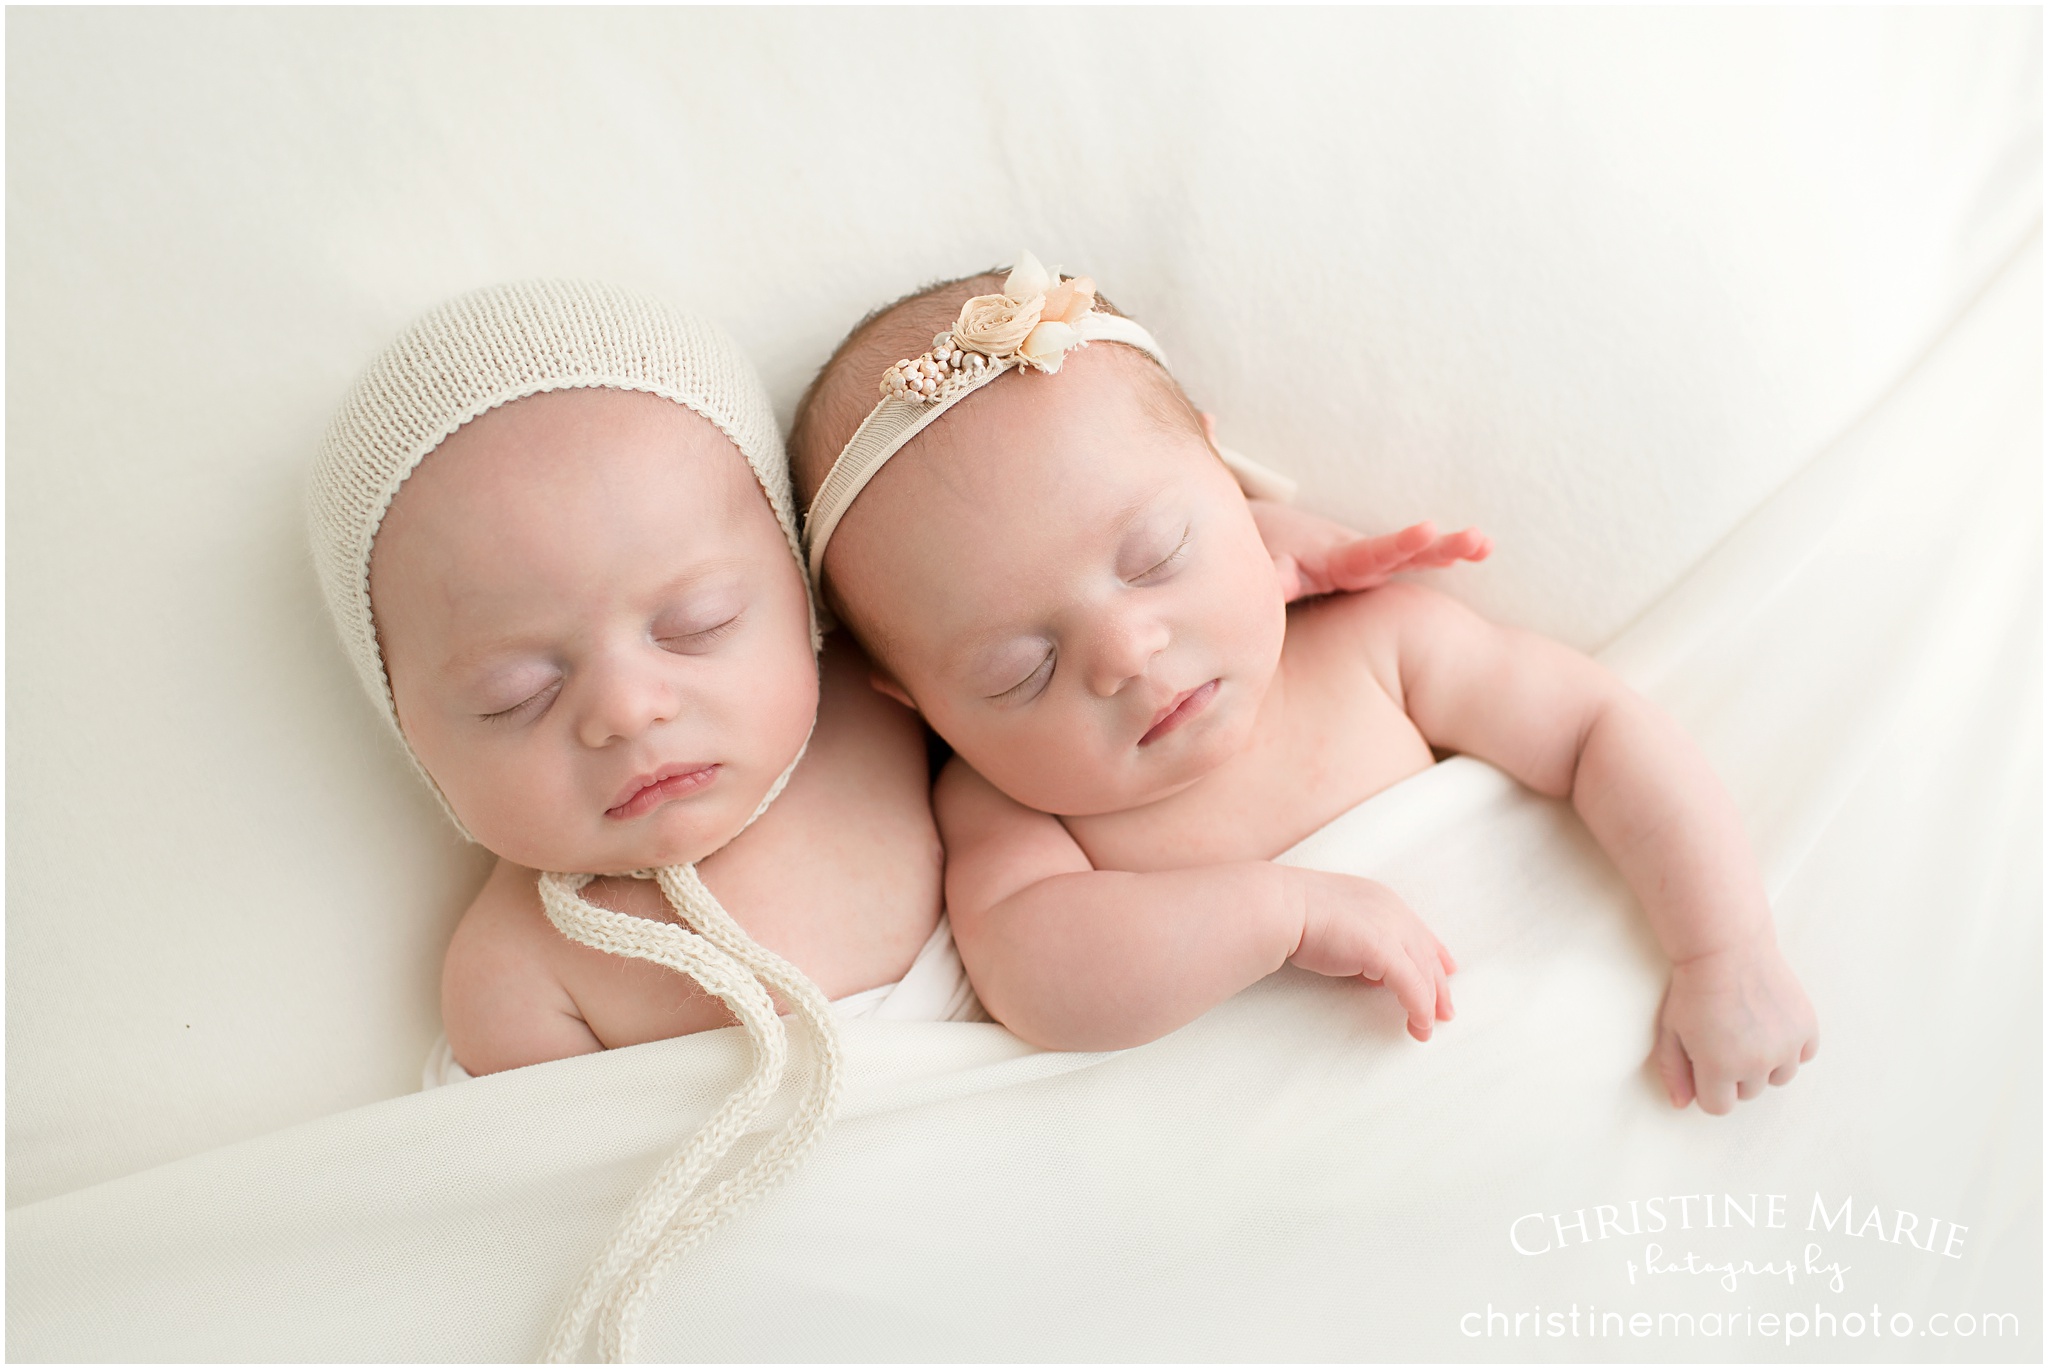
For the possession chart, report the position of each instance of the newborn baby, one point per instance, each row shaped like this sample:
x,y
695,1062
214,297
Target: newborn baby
x,y
1037,544
586,600
554,527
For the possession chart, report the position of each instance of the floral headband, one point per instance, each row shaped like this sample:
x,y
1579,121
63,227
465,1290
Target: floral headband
x,y
1032,325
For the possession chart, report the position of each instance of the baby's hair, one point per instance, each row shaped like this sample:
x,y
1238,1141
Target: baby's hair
x,y
843,391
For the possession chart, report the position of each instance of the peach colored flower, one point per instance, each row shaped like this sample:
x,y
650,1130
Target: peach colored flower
x,y
1069,300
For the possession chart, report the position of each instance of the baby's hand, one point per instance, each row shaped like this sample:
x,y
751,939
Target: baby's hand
x,y
1353,926
1369,562
1317,556
1731,1021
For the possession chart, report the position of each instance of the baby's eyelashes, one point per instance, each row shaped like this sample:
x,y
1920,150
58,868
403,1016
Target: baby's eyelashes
x,y
695,640
530,706
1030,686
1162,565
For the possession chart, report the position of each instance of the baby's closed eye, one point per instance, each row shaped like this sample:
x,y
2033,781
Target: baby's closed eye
x,y
1154,554
688,639
1031,685
519,696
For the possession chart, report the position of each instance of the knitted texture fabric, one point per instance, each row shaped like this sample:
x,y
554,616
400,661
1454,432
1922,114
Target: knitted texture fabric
x,y
490,347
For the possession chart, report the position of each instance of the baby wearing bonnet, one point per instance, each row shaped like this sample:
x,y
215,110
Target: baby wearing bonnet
x,y
554,527
1025,522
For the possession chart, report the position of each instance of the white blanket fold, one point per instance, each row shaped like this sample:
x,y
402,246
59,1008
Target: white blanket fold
x,y
1291,1177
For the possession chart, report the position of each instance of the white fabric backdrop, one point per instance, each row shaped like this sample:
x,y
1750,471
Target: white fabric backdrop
x,y
1599,281
1290,1177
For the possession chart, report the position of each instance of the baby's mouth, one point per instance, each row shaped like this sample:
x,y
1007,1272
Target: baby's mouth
x,y
1181,709
645,793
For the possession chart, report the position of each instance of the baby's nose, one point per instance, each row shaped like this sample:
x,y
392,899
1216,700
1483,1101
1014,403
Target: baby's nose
x,y
1124,651
623,703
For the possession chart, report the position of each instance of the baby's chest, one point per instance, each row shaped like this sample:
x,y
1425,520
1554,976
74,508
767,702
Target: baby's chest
x,y
1341,741
845,923
842,877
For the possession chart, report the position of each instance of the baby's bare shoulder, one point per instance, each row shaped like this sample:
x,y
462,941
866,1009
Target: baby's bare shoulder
x,y
503,1000
1381,630
500,930
1387,612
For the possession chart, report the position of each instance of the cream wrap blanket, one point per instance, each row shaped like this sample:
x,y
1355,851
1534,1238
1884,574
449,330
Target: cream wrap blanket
x,y
1290,1177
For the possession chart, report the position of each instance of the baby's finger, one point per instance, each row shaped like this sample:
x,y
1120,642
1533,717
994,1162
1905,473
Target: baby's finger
x,y
1716,1093
1416,994
1806,1053
1367,562
1414,537
1471,544
1444,1011
1746,1089
1446,551
1784,1074
1443,955
1673,1068
1293,584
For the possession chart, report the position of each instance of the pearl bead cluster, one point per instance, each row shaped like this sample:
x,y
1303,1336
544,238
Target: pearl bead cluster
x,y
936,375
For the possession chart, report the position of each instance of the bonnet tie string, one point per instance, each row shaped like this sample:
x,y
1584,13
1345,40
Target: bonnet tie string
x,y
657,1228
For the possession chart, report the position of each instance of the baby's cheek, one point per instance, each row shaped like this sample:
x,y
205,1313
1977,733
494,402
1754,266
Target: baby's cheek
x,y
1059,762
776,702
514,812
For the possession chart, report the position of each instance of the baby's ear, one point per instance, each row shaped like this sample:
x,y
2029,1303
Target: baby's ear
x,y
883,683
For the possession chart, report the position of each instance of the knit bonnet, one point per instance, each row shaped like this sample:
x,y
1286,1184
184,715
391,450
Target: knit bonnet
x,y
490,347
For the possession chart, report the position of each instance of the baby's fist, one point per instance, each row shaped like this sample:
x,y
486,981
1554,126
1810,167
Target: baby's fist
x,y
1733,1021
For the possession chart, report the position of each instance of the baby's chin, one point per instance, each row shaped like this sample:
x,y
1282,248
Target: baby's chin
x,y
1091,784
677,833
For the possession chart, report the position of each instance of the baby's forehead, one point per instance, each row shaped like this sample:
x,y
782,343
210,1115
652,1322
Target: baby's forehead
x,y
558,486
1110,419
588,442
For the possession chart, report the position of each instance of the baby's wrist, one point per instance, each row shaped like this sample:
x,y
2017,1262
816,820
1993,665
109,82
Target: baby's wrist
x,y
1744,943
1289,910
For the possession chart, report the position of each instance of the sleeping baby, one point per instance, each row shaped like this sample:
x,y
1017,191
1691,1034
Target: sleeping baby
x,y
1038,546
555,529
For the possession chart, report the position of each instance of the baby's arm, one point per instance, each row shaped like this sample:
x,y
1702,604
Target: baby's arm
x,y
502,1002
1074,958
1734,1015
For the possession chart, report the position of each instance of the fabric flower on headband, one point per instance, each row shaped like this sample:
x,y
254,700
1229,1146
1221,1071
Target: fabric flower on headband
x,y
1030,324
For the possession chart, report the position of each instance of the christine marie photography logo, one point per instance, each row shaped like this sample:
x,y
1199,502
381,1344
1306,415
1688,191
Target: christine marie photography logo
x,y
1763,1246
